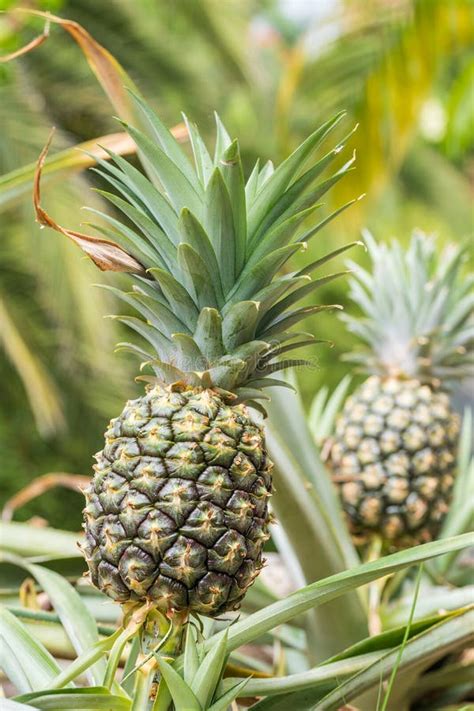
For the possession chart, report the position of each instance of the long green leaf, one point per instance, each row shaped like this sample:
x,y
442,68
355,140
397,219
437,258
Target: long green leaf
x,y
427,647
307,509
165,138
198,280
85,660
180,191
202,159
368,671
262,273
245,631
231,167
136,185
76,619
153,234
191,657
440,598
178,298
219,224
282,176
223,703
239,324
19,182
406,635
182,695
29,541
24,660
280,234
293,199
208,334
79,699
299,294
287,320
324,409
223,139
323,678
207,676
193,232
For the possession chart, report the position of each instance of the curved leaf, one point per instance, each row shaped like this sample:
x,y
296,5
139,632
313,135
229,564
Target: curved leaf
x,y
75,617
27,664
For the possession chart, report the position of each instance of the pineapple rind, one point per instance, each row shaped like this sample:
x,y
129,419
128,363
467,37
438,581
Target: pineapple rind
x,y
393,457
177,512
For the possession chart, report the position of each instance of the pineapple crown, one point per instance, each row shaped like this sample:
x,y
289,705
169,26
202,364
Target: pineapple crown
x,y
417,310
203,249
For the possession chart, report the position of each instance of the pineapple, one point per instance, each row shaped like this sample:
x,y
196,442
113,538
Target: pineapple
x,y
393,453
177,512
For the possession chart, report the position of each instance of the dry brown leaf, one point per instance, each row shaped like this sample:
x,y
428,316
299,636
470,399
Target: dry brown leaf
x,y
39,486
107,255
36,42
111,75
107,69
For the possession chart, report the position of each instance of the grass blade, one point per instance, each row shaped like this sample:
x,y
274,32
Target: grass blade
x,y
404,641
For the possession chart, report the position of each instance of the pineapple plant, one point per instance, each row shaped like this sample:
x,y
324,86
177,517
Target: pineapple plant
x,y
177,512
393,452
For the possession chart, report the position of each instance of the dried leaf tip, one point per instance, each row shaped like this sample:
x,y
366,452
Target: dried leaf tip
x,y
105,254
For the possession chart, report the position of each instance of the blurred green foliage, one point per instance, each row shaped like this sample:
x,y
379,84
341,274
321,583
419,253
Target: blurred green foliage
x,y
402,70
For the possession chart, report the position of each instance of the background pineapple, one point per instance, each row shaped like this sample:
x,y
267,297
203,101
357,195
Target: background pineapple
x,y
177,512
393,454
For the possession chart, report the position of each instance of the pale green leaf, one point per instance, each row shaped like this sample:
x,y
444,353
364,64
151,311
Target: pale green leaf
x,y
209,673
26,663
181,693
249,629
79,699
76,619
219,224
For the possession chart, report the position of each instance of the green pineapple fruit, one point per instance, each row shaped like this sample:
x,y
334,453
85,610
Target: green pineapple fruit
x,y
393,454
177,512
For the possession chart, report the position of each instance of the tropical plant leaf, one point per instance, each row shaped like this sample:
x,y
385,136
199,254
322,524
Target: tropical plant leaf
x,y
321,678
280,179
197,277
42,392
226,699
107,255
82,699
325,408
24,660
17,183
232,171
46,543
364,672
219,224
427,647
181,693
209,672
109,73
76,619
323,591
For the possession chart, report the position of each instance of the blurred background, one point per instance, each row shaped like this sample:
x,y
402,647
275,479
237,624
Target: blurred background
x,y
273,69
